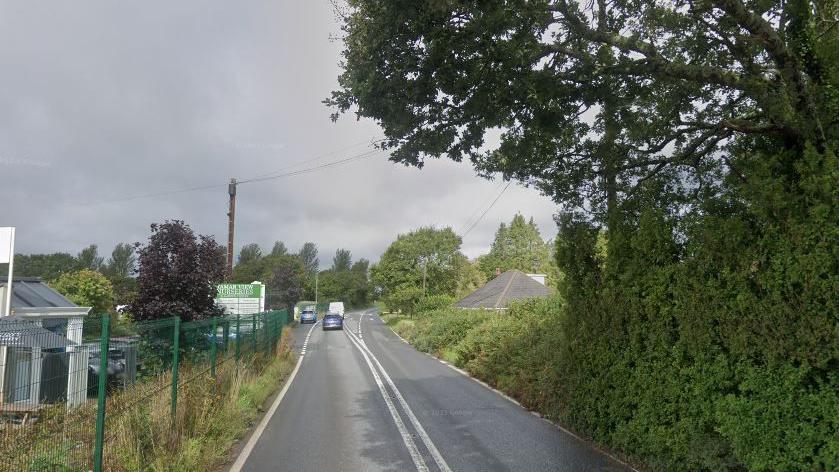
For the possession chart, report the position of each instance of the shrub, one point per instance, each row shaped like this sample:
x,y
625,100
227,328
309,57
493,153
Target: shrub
x,y
443,328
433,302
403,300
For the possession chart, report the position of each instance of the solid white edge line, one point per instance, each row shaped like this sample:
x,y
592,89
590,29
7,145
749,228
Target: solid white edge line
x,y
416,457
257,433
426,439
515,402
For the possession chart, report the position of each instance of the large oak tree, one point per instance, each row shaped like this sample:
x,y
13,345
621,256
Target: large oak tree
x,y
594,100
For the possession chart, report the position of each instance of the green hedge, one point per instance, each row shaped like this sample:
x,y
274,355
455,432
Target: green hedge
x,y
710,343
706,344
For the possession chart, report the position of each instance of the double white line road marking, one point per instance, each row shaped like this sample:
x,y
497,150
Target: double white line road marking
x,y
419,462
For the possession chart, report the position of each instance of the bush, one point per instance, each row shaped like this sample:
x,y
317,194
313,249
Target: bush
x,y
86,288
403,300
440,329
433,302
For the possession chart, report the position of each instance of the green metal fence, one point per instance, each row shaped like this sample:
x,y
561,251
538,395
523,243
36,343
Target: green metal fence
x,y
68,399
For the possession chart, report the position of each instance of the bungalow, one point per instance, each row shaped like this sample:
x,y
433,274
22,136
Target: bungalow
x,y
504,288
42,359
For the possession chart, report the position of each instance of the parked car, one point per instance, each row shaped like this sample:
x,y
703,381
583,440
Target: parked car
x,y
332,321
337,307
308,316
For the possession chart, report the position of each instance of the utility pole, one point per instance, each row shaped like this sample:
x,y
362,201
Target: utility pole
x,y
231,219
316,285
424,273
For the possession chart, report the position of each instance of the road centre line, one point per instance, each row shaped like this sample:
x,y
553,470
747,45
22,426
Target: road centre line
x,y
306,341
416,457
432,449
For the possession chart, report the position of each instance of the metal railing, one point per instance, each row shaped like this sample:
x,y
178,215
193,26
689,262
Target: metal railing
x,y
64,402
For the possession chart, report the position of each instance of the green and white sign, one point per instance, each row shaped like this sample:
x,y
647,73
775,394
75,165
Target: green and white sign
x,y
241,299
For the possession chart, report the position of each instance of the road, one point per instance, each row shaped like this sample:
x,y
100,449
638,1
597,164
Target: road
x,y
363,400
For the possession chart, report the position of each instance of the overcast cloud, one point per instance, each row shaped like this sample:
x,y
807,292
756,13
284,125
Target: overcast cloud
x,y
104,100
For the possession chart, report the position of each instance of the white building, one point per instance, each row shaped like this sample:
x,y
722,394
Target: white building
x,y
42,359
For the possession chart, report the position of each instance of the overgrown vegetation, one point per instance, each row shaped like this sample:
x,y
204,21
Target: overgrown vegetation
x,y
697,140
212,414
514,351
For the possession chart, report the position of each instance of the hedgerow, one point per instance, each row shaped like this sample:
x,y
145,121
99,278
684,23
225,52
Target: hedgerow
x,y
703,343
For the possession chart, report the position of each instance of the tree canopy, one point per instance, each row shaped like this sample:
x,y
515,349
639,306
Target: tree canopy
x,y
178,274
427,257
595,100
86,288
342,260
351,284
279,249
122,263
249,252
309,255
45,266
90,259
518,246
285,277
698,140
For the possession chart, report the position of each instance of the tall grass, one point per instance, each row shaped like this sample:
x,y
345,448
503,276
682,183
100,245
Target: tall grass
x,y
212,414
140,433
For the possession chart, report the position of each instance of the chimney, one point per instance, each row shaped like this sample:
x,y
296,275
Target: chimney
x,y
497,271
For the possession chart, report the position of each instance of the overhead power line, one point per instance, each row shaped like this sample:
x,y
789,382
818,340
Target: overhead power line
x,y
269,176
478,208
369,142
158,194
339,162
487,210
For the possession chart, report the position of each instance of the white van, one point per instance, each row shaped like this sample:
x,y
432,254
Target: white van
x,y
337,307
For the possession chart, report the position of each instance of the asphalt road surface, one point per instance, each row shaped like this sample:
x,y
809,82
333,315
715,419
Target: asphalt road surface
x,y
363,400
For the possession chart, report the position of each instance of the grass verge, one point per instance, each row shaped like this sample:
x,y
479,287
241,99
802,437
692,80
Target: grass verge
x,y
140,432
212,415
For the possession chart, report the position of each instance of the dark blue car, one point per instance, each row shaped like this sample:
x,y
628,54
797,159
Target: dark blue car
x,y
332,321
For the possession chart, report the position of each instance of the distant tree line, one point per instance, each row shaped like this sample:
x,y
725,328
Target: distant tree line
x,y
87,278
290,278
426,268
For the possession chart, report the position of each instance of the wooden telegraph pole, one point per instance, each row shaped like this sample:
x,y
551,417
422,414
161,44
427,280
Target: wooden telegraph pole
x,y
231,218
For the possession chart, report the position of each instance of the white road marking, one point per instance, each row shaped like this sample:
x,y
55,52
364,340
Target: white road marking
x,y
306,341
257,433
438,458
358,326
416,457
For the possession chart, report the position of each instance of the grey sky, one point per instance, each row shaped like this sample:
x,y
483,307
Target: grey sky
x,y
102,100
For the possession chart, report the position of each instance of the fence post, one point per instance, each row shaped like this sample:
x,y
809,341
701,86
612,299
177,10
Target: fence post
x,y
104,340
277,328
176,348
238,338
214,347
276,333
225,332
253,333
267,328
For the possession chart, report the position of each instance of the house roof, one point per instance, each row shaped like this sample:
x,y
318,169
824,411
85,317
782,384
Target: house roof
x,y
18,332
32,292
500,291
